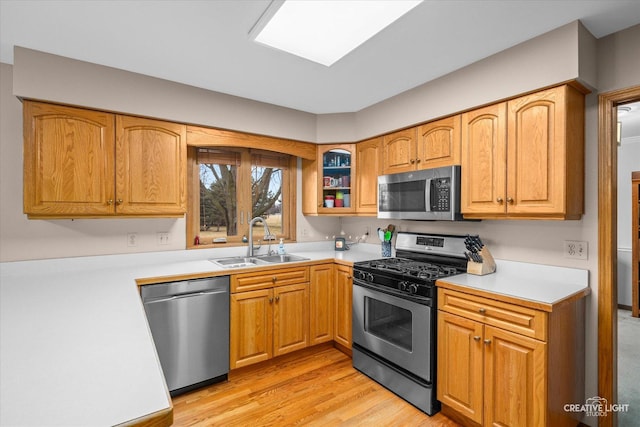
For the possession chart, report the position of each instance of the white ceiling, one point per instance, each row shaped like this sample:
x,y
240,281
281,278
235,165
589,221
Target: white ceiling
x,y
206,44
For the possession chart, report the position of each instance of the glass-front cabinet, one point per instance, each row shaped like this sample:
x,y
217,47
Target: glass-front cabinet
x,y
336,179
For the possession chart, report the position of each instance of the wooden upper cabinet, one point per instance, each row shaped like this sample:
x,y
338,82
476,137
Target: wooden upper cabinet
x,y
84,163
439,143
368,162
484,161
545,152
525,158
150,166
399,151
68,161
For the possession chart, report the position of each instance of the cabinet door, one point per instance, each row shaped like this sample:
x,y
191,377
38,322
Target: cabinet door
x,y
321,303
290,318
460,373
343,297
399,151
537,154
515,379
150,167
439,143
68,161
369,164
251,327
336,179
484,161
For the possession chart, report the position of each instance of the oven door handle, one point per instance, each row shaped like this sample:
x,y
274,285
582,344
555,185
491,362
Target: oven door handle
x,y
398,294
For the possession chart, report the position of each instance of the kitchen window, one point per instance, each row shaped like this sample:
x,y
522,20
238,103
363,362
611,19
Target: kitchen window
x,y
230,186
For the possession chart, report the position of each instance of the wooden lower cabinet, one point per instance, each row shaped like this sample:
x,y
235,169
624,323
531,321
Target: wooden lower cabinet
x,y
290,318
271,319
493,370
343,300
275,312
251,327
321,303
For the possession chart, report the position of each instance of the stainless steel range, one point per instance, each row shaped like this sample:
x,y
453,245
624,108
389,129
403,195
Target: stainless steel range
x,y
394,314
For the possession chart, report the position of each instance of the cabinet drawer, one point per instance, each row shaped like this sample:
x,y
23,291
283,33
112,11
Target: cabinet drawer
x,y
268,279
510,317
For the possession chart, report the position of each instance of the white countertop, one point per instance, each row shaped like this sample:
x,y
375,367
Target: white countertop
x,y
533,282
75,348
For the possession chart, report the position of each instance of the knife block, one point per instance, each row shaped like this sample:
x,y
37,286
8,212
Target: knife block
x,y
487,266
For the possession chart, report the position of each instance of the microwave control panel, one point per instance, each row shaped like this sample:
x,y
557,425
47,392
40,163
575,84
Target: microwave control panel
x,y
441,195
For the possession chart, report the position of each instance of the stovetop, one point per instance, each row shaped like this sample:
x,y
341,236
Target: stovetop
x,y
408,268
421,260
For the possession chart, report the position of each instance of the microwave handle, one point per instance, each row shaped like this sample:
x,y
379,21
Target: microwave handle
x,y
427,195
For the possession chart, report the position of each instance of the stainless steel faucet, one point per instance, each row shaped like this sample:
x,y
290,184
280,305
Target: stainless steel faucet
x,y
266,233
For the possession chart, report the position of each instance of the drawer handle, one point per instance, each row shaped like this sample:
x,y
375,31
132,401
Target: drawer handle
x,y
482,310
476,338
487,342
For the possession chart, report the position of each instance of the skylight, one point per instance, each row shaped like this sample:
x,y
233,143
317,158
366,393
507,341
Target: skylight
x,y
324,31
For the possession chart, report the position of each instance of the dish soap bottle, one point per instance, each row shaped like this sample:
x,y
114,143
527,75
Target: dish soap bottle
x,y
281,247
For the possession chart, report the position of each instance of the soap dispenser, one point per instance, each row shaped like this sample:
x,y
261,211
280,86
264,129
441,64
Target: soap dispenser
x,y
281,247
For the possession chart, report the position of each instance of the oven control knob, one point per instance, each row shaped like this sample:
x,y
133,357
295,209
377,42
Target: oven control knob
x,y
413,288
360,275
369,277
402,286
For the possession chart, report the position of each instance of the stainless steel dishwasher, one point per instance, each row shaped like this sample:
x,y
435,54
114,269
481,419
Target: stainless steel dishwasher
x,y
189,321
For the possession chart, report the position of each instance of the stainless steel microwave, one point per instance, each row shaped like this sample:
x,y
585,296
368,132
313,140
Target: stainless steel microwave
x,y
428,195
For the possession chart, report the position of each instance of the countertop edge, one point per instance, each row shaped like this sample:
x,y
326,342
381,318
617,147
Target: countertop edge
x,y
514,299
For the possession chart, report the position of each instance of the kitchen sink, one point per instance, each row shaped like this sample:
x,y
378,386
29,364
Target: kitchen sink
x,y
238,262
277,259
241,261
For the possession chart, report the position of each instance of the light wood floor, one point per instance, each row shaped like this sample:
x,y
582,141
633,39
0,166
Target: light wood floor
x,y
318,387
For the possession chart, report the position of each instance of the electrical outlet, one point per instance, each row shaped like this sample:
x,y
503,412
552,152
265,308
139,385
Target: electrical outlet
x,y
162,238
305,232
132,240
576,249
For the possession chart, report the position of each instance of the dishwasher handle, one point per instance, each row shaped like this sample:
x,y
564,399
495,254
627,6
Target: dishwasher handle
x,y
194,294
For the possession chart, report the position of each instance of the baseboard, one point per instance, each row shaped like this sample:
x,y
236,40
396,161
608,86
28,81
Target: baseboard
x,y
624,307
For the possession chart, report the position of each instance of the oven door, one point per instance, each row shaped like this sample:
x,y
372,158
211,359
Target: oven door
x,y
393,328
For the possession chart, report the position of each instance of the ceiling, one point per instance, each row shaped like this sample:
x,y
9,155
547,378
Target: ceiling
x,y
206,44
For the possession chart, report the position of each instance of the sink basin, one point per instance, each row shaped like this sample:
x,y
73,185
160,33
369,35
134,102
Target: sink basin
x,y
238,261
276,259
241,261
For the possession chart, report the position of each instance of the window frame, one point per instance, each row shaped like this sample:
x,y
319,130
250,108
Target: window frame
x,y
289,195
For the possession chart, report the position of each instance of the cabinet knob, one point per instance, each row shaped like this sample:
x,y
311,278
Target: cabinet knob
x,y
278,298
412,161
119,202
476,338
499,200
487,342
417,160
510,200
482,310
274,279
110,202
270,300
349,277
